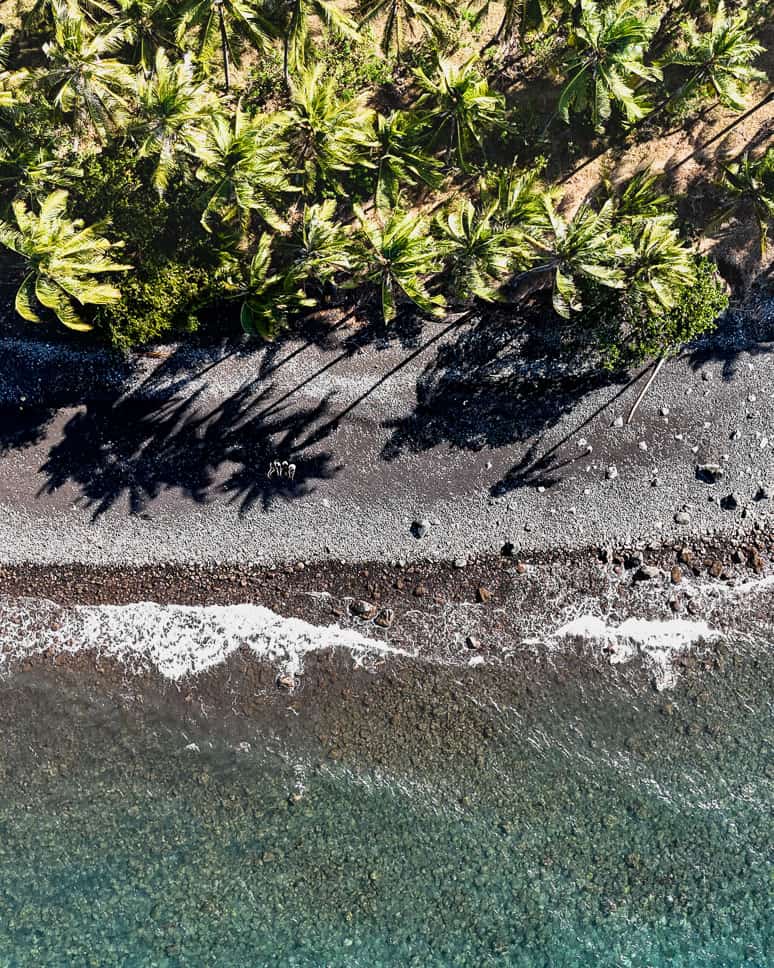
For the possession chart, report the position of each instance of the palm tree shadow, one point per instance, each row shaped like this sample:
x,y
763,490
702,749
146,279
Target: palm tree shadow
x,y
135,449
496,386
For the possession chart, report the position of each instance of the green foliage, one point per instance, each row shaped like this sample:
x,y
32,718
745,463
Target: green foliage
x,y
335,159
606,62
403,20
720,60
399,258
750,184
63,262
459,108
162,300
626,332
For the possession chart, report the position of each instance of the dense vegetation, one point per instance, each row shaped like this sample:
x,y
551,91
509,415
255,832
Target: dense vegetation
x,y
163,163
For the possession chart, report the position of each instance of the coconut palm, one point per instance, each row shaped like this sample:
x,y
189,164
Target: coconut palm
x,y
516,197
517,17
460,108
63,260
720,60
749,185
295,35
34,172
320,249
244,165
148,25
609,43
403,19
269,296
479,253
640,197
400,158
220,24
82,80
584,246
174,109
399,257
659,265
330,136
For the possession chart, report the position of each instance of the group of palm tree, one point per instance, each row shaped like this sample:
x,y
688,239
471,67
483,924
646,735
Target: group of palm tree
x,y
316,192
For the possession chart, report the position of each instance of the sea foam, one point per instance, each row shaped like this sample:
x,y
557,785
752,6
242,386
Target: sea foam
x,y
176,640
657,641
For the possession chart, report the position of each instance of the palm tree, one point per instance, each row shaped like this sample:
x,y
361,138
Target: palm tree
x,y
749,185
320,250
62,261
641,197
460,108
173,112
401,18
330,136
33,172
516,197
518,16
400,159
660,267
480,254
219,24
569,250
148,25
269,297
244,165
720,61
398,257
83,81
609,44
296,32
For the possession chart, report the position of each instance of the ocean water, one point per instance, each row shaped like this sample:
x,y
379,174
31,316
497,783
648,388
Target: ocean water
x,y
600,823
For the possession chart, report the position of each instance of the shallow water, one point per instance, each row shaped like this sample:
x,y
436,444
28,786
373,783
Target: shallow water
x,y
604,826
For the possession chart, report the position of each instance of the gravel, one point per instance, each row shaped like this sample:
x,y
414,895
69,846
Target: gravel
x,y
193,487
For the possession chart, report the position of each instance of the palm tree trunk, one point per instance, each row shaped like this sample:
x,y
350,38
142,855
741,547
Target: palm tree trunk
x,y
224,43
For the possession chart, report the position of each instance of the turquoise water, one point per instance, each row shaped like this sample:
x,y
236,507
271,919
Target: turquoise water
x,y
605,826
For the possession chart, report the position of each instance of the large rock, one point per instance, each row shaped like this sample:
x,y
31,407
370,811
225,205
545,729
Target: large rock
x,y
709,473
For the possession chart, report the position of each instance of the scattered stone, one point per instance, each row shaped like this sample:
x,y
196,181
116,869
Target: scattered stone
x,y
738,557
420,591
364,610
646,573
286,682
385,618
632,561
473,643
643,445
618,422
460,562
682,517
664,411
527,526
676,574
508,549
483,595
706,376
675,603
611,473
730,502
521,568
420,528
606,555
736,435
709,473
656,482
716,569
756,562
763,493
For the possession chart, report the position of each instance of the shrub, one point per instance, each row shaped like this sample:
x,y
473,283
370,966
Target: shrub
x,y
626,333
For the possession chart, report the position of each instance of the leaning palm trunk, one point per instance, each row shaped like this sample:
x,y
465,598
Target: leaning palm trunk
x,y
224,44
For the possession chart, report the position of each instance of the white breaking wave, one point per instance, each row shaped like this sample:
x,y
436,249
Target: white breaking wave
x,y
176,640
657,641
